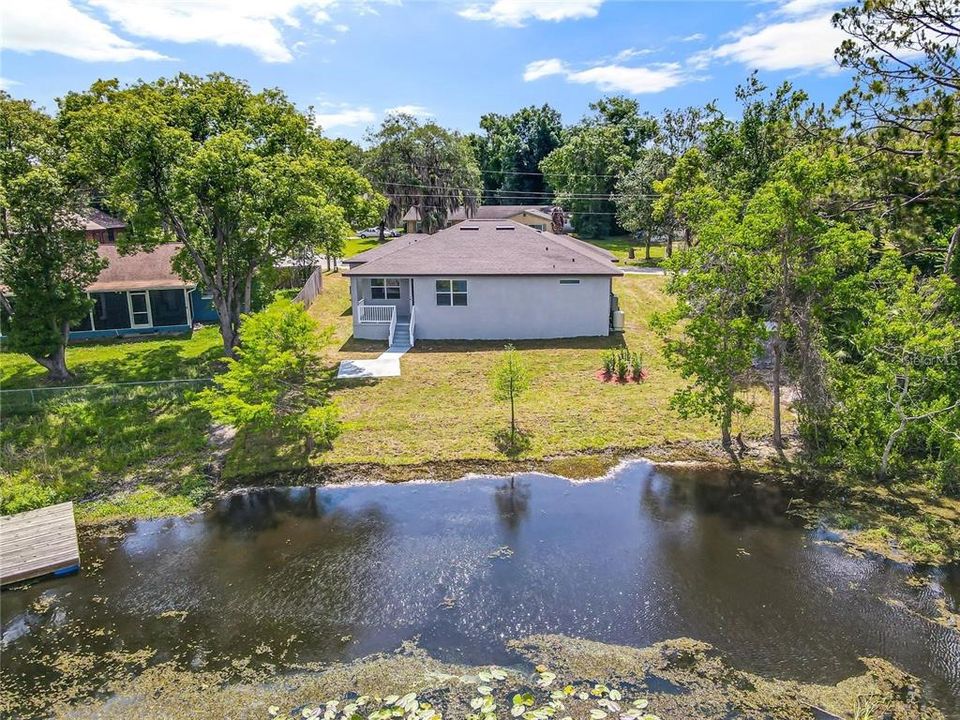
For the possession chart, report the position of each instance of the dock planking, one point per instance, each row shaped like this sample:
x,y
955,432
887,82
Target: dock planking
x,y
38,542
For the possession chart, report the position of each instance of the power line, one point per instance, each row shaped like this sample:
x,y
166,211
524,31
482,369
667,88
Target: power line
x,y
520,193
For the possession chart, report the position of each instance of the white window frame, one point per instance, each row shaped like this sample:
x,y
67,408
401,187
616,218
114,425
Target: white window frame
x,y
451,293
146,297
387,286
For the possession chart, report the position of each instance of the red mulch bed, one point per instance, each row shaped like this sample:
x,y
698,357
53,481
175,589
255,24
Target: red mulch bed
x,y
603,377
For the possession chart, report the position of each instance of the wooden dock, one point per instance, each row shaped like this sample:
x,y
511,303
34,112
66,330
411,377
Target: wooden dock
x,y
38,542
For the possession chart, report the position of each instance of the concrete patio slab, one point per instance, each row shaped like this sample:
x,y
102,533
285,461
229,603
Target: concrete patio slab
x,y
387,365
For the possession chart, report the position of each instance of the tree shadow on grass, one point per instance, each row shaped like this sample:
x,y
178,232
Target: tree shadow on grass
x,y
166,361
512,445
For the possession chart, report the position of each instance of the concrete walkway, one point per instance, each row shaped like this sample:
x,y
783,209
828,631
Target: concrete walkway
x,y
387,365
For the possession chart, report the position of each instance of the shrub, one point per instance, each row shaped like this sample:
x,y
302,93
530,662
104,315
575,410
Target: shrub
x,y
623,366
636,365
609,362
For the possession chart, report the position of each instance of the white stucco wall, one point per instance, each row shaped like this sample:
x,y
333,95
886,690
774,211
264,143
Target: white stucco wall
x,y
360,290
515,308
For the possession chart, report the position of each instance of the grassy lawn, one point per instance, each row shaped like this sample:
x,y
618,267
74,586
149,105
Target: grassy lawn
x,y
441,408
356,245
149,441
152,445
620,246
168,358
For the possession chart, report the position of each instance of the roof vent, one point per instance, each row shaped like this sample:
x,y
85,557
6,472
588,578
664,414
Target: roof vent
x,y
469,227
504,227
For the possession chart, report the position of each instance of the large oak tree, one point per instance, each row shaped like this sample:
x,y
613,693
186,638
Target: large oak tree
x,y
46,262
241,179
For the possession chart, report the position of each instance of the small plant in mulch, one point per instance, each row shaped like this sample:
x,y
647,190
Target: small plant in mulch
x,y
621,365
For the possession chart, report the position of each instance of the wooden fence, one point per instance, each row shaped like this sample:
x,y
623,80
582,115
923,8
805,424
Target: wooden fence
x,y
312,288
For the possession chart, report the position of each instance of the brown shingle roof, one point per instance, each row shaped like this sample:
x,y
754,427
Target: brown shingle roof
x,y
94,220
499,212
484,247
140,271
486,212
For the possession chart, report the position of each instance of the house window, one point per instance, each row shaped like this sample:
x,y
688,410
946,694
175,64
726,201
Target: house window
x,y
541,227
385,289
451,292
569,281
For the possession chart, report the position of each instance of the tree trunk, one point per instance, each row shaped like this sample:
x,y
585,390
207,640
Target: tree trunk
x,y
329,263
56,362
670,244
513,424
725,439
383,226
777,369
227,325
247,292
888,448
951,249
686,238
646,255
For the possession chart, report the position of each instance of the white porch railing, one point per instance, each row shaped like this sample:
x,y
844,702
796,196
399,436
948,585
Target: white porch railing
x,y
376,314
413,322
393,328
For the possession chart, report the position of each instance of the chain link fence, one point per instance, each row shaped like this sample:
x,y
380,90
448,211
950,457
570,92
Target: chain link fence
x,y
28,399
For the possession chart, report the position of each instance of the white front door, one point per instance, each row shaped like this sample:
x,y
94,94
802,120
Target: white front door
x,y
140,315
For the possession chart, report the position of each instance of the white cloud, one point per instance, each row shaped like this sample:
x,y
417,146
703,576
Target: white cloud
x,y
544,68
695,37
804,44
69,27
57,26
805,7
7,83
343,115
515,13
631,53
612,77
414,110
249,24
635,80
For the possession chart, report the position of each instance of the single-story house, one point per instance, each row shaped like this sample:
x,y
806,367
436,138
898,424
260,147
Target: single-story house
x,y
538,217
482,280
138,293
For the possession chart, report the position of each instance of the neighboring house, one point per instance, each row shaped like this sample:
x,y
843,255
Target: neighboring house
x,y
537,217
139,293
482,280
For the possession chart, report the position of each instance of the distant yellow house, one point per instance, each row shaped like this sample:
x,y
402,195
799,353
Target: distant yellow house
x,y
537,217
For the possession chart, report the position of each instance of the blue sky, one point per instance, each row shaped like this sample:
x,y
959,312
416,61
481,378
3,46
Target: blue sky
x,y
355,60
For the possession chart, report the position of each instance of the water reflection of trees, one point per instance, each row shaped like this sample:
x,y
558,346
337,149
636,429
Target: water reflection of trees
x,y
739,498
265,509
512,499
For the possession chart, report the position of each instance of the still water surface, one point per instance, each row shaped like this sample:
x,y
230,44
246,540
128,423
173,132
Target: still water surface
x,y
334,573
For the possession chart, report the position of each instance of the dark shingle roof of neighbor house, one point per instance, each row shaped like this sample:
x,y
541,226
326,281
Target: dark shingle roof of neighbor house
x,y
484,247
486,212
499,212
95,220
140,271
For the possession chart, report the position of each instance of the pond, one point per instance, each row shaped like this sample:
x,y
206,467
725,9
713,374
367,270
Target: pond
x,y
293,575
